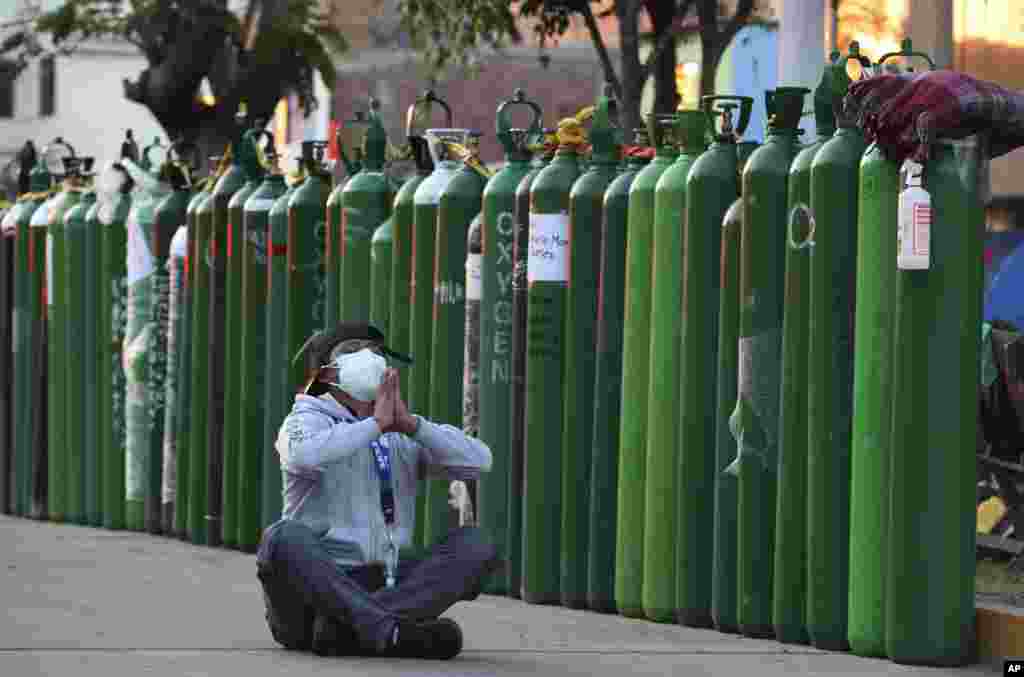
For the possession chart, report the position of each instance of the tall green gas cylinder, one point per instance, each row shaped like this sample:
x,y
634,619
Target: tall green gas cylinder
x,y
604,461
306,282
586,200
547,280
724,605
252,442
380,277
80,479
832,282
665,510
517,456
114,210
199,460
94,353
332,236
459,203
366,203
632,494
177,357
8,243
495,376
222,330
142,452
930,616
233,412
279,391
471,347
59,447
27,323
755,420
789,606
871,449
711,187
37,475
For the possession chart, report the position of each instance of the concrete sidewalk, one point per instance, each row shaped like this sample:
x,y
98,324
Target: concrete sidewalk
x,y
90,602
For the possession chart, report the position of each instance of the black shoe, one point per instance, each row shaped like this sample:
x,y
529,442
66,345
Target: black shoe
x,y
331,638
439,639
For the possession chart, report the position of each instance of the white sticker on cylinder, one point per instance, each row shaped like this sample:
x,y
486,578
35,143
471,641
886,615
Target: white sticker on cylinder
x,y
548,259
474,281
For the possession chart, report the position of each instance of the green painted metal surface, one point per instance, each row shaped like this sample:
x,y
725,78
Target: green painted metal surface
x,y
495,376
930,617
199,258
175,368
755,419
586,201
547,286
604,462
633,463
380,277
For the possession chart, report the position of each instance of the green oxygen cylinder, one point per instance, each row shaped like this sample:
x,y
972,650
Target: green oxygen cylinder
x,y
167,219
870,449
278,391
517,456
401,263
183,397
495,346
832,282
332,237
115,207
305,274
711,187
458,204
724,606
586,200
176,349
62,504
142,469
366,203
471,349
670,565
234,413
199,462
222,325
26,321
380,277
79,469
789,606
604,462
930,616
755,420
8,244
632,495
253,444
36,499
93,289
547,280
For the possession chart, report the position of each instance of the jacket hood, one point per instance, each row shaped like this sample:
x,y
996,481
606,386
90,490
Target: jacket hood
x,y
323,404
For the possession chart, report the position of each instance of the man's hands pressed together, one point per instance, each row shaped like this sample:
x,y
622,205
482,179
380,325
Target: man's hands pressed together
x,y
390,410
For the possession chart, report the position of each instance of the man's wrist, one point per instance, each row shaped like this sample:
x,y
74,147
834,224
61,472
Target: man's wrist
x,y
412,425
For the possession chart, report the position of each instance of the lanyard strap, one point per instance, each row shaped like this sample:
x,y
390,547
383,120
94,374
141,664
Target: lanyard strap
x,y
382,460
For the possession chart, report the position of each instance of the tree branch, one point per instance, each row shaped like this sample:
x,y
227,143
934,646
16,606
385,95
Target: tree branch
x,y
602,51
666,39
739,19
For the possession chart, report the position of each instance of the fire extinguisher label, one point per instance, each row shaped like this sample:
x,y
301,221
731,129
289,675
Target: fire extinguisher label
x,y
549,248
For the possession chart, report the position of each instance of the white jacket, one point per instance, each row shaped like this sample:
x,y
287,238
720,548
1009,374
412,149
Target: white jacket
x,y
330,479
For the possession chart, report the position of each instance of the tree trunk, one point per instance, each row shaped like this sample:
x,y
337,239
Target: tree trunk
x,y
663,70
711,56
631,68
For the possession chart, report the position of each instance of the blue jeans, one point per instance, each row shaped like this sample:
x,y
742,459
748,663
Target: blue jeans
x,y
300,581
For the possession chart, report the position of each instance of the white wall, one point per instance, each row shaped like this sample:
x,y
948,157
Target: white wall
x,y
91,111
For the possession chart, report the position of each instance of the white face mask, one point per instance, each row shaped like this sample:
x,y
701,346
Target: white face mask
x,y
360,374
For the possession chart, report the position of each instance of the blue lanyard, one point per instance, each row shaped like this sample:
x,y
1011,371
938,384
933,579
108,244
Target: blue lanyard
x,y
382,460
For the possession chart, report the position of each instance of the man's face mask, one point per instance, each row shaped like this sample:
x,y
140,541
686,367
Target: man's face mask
x,y
359,373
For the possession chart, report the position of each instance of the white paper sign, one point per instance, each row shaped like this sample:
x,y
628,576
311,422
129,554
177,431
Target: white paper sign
x,y
140,261
548,259
474,283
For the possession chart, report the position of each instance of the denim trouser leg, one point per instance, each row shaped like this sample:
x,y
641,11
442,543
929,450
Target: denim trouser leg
x,y
300,581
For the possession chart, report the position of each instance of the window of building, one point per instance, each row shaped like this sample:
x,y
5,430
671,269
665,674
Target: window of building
x,y
47,86
8,73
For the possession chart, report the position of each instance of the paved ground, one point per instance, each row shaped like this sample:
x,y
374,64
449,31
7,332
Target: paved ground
x,y
90,603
